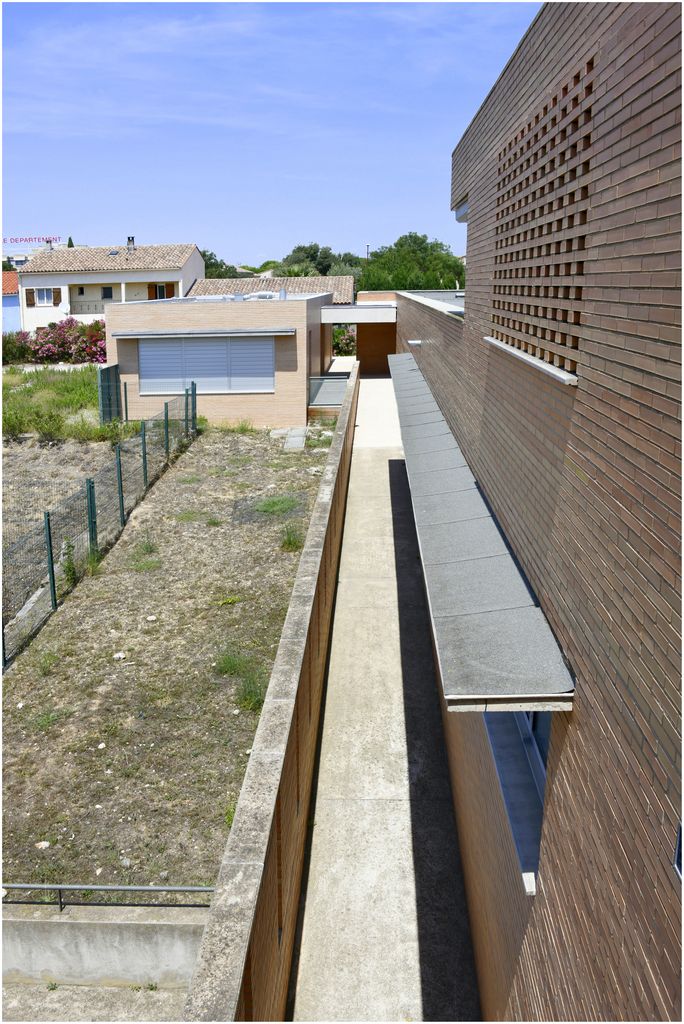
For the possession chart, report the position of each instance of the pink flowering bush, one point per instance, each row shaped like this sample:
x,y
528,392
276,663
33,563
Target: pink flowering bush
x,y
69,341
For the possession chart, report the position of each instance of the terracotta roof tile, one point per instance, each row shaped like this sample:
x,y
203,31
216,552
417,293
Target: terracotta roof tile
x,y
341,287
10,282
83,258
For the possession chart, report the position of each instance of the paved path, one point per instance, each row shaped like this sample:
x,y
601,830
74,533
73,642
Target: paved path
x,y
385,931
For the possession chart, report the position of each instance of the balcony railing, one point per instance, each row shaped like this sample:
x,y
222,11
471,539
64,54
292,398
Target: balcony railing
x,y
94,306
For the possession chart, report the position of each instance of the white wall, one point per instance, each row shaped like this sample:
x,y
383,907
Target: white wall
x,y
136,289
192,271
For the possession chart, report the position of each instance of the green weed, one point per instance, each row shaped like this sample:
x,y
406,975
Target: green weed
x,y
52,986
45,719
228,600
230,813
318,442
46,662
94,563
69,565
241,427
146,546
189,479
188,517
250,675
146,564
213,521
292,538
278,505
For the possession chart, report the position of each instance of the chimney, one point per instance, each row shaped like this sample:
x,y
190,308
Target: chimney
x,y
49,245
131,243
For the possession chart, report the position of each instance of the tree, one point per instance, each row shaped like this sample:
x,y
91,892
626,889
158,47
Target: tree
x,y
303,269
6,265
412,262
70,243
214,267
344,269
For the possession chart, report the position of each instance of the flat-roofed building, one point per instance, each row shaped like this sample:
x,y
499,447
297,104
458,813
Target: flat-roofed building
x,y
251,357
559,380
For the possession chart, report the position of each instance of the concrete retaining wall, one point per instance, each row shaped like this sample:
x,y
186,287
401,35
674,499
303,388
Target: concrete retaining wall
x,y
101,945
244,963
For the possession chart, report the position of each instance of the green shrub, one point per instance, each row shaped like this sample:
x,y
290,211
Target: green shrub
x,y
48,424
16,347
16,420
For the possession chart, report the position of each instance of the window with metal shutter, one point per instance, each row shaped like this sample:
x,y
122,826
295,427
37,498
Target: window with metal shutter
x,y
161,367
206,362
217,365
252,364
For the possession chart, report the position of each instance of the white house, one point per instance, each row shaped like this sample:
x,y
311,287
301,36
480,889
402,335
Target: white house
x,y
81,280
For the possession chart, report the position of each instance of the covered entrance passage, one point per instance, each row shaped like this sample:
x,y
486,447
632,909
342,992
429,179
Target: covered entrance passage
x,y
376,332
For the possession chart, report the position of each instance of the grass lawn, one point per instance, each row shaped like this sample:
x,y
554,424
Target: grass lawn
x,y
56,405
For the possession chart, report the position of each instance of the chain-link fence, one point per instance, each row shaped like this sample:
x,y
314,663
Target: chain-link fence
x,y
46,550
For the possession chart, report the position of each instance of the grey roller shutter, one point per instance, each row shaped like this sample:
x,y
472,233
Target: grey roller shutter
x,y
252,364
161,367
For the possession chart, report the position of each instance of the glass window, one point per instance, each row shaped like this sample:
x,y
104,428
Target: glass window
x,y
161,291
107,291
43,296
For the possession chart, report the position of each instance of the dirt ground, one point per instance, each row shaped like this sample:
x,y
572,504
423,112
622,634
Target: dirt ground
x,y
36,476
126,734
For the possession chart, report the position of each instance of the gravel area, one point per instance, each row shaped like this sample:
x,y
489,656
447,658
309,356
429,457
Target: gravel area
x,y
126,726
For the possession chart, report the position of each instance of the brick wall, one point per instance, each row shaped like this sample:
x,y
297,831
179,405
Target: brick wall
x,y
586,484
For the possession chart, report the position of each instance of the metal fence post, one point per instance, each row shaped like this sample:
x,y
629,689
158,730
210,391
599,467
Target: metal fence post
x,y
166,430
119,485
143,446
126,401
187,411
50,562
92,515
101,385
194,406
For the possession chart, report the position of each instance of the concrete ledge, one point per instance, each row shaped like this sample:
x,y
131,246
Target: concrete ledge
x,y
108,946
562,376
243,967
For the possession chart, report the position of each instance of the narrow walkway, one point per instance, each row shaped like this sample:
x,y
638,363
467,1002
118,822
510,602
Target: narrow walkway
x,y
385,932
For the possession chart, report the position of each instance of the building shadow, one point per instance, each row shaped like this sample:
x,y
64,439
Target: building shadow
x,y
447,967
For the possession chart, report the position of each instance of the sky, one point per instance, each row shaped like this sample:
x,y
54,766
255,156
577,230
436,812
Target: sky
x,y
247,128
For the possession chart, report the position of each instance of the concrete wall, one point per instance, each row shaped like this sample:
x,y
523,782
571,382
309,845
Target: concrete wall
x,y
100,945
585,482
286,407
245,959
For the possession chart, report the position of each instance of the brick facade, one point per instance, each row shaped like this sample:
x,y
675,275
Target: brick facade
x,y
582,213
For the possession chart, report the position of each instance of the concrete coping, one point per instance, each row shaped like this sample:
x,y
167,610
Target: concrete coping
x,y
442,305
494,648
562,376
219,971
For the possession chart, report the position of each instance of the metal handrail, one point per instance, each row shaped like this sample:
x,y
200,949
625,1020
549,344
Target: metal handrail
x,y
60,888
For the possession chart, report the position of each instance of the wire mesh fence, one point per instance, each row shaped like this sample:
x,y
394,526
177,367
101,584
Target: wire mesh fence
x,y
46,550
